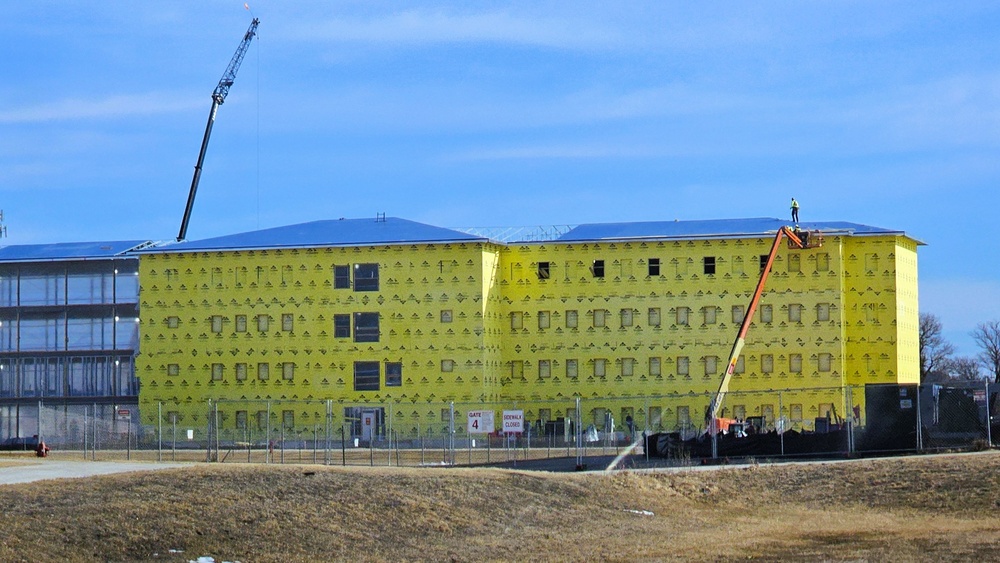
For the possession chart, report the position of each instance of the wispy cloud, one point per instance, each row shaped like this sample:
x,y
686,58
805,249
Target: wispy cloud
x,y
425,27
109,107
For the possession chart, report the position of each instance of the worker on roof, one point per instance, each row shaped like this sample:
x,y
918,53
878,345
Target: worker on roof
x,y
795,211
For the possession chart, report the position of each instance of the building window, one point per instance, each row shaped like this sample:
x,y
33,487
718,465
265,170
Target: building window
x,y
447,365
825,360
241,372
366,277
794,263
767,363
241,420
446,315
597,269
287,322
826,410
740,412
572,318
393,374
599,318
711,365
366,376
684,417
288,371
263,371
822,262
600,366
543,270
173,369
516,320
572,369
654,316
795,412
708,265
262,422
763,262
544,319
366,327
216,372
288,419
544,369
795,363
173,322
216,324
683,365
682,316
517,369
628,367
823,312
626,315
739,312
795,313
262,323
709,315
740,365
341,277
241,323
654,366
654,267
341,326
766,314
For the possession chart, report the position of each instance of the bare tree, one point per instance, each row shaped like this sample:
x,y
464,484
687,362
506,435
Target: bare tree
x,y
964,369
934,349
987,336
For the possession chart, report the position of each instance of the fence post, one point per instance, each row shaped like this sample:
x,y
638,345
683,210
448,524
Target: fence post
x,y
40,438
781,433
920,434
269,456
579,435
451,432
159,431
989,419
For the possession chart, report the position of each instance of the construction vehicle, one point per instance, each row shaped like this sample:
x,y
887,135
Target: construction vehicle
x,y
797,239
218,98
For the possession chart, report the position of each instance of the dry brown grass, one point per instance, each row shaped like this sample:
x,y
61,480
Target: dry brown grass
x,y
917,509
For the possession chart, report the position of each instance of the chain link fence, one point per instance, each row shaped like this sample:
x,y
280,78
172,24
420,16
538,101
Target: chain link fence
x,y
651,430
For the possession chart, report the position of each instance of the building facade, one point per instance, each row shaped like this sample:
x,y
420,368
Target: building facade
x,y
333,319
69,321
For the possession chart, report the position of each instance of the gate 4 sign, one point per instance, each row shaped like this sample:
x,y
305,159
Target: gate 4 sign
x,y
480,422
513,421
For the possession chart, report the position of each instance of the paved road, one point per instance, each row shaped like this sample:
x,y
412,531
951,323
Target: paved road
x,y
26,471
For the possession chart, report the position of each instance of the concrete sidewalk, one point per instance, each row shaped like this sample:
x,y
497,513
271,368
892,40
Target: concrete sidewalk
x,y
27,471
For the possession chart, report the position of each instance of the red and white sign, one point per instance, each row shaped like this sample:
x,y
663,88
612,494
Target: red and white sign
x,y
124,414
513,421
480,422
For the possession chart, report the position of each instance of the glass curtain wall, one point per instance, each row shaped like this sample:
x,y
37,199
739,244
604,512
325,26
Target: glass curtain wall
x,y
69,329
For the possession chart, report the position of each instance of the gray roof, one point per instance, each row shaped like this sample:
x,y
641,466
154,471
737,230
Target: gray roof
x,y
67,251
715,228
342,232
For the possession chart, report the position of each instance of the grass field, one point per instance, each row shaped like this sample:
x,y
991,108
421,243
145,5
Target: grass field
x,y
940,508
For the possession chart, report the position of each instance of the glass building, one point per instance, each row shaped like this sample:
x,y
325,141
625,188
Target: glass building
x,y
69,328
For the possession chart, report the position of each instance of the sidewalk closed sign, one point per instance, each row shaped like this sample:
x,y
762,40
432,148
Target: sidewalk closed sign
x,y
513,421
480,422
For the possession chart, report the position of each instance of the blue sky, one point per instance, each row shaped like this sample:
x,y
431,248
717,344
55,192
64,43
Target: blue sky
x,y
508,114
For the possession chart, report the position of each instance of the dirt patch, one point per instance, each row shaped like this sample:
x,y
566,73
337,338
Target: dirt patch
x,y
900,509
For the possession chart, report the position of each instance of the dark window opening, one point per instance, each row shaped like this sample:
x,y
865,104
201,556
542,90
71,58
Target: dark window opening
x,y
366,277
341,326
366,376
366,327
709,265
341,277
763,262
654,266
393,374
543,270
598,269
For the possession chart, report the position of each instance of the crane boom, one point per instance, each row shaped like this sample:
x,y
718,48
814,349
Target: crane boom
x,y
218,98
795,240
